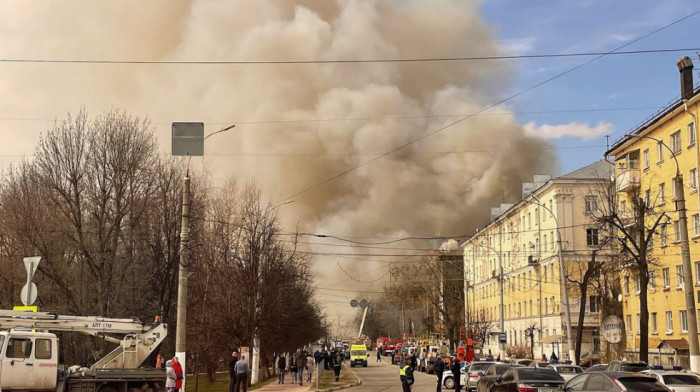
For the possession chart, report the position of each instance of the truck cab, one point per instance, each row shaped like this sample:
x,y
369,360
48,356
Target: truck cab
x,y
28,360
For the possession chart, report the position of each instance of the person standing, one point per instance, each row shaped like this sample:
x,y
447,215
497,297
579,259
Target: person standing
x,y
379,354
454,367
406,375
171,377
301,364
310,366
241,369
293,368
414,361
178,373
337,360
281,366
439,368
232,371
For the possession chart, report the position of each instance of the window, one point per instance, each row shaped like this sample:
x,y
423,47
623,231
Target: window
x,y
577,383
676,142
677,231
545,274
623,208
544,245
591,204
19,348
594,304
592,237
693,178
546,306
43,349
683,317
659,152
628,322
667,278
637,284
696,224
551,235
553,305
652,279
697,272
669,322
627,285
691,134
662,193
529,221
645,158
652,323
638,324
664,235
679,276
647,198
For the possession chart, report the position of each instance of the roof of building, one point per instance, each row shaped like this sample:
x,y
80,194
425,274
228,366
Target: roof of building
x,y
601,169
676,344
651,120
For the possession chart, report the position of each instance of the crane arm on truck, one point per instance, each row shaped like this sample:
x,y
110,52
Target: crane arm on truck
x,y
138,342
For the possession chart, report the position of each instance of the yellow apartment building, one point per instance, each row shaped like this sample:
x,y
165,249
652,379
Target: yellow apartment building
x,y
523,238
646,168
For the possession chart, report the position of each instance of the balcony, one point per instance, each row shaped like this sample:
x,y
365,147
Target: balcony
x,y
627,180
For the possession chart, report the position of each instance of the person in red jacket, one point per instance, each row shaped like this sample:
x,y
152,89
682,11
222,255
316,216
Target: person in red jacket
x,y
178,373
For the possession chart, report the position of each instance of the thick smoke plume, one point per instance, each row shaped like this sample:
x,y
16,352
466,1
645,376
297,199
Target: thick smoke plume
x,y
302,123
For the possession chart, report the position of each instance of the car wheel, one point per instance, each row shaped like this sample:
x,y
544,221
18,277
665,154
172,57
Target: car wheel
x,y
449,382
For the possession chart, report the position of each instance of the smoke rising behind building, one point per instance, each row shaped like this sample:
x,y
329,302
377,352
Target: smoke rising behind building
x,y
297,124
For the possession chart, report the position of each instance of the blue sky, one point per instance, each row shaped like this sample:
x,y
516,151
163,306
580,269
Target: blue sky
x,y
625,81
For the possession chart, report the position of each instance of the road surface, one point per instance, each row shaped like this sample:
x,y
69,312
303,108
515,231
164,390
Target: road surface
x,y
383,376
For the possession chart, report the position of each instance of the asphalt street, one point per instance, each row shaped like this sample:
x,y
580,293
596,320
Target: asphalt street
x,y
383,376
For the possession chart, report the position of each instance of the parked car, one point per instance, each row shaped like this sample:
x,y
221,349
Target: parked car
x,y
539,364
528,379
625,366
614,382
473,373
597,368
676,379
567,372
488,377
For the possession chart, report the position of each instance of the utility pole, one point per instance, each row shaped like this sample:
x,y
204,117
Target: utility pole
x,y
691,317
181,326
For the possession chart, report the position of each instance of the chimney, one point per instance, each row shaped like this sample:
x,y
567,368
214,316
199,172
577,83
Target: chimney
x,y
685,66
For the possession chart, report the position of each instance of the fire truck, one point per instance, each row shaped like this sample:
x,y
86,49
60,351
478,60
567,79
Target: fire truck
x,y
29,354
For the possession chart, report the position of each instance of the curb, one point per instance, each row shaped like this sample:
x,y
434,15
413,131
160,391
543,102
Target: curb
x,y
338,388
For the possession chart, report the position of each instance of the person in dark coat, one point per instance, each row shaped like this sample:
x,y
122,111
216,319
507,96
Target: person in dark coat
x,y
406,375
337,360
232,371
554,358
326,360
281,368
439,368
454,367
414,362
379,354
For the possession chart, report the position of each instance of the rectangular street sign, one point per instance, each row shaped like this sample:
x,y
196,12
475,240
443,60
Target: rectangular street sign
x,y
502,337
188,138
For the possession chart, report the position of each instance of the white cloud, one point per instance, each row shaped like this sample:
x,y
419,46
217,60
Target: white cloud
x,y
518,46
572,129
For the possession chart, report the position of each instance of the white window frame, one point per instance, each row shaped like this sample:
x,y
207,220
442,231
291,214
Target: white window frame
x,y
628,321
669,322
693,178
697,272
683,318
647,198
664,235
659,152
666,274
662,193
679,276
591,203
645,158
627,285
637,284
696,225
691,134
676,231
653,323
676,142
592,237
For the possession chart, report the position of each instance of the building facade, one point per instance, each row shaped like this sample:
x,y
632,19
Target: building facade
x,y
554,219
645,169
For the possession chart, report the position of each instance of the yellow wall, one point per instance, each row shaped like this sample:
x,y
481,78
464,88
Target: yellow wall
x,y
662,300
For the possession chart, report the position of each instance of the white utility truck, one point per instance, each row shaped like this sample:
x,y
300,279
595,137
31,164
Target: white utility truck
x,y
29,354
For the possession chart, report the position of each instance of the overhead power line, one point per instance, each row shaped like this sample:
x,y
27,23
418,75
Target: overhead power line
x,y
339,61
504,100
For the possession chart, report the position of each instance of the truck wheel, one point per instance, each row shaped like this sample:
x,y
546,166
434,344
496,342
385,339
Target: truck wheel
x,y
449,382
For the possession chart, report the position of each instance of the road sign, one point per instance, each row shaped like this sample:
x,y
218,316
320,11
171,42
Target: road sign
x,y
502,337
363,303
31,264
353,303
188,138
29,296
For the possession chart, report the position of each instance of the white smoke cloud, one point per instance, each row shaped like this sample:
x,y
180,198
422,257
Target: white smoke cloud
x,y
573,130
329,117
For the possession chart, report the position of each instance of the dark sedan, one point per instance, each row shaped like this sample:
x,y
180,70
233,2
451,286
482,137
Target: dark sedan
x,y
614,382
527,379
491,374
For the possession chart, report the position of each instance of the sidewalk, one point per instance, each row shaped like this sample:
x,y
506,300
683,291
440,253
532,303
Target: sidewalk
x,y
288,386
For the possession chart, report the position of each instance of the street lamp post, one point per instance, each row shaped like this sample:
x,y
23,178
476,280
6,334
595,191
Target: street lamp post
x,y
183,270
691,317
562,282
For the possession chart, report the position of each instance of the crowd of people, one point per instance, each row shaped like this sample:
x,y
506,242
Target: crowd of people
x,y
173,373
